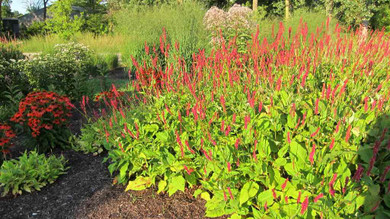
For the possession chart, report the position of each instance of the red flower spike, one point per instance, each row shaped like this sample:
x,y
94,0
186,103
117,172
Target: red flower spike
x,y
315,133
274,194
318,197
260,106
375,206
254,151
299,197
316,107
383,177
189,171
331,144
229,167
345,184
348,134
189,148
288,138
304,205
311,156
230,193
337,127
284,184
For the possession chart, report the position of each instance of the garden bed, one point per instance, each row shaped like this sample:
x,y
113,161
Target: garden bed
x,y
86,191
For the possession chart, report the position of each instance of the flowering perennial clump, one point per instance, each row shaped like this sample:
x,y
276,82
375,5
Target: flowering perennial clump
x,y
295,126
43,110
6,135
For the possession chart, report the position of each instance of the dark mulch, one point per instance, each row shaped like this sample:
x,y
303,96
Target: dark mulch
x,y
86,191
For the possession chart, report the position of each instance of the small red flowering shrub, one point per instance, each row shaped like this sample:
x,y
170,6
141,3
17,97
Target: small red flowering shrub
x,y
46,116
297,126
6,135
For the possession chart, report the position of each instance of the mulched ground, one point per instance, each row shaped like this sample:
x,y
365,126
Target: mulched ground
x,y
86,191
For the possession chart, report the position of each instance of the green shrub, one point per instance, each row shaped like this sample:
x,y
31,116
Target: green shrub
x,y
97,24
381,18
65,70
90,140
37,28
106,61
62,22
10,103
10,68
288,129
31,171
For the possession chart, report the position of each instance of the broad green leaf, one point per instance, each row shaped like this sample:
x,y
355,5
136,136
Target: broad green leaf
x,y
177,183
265,196
247,191
161,186
140,183
205,196
299,153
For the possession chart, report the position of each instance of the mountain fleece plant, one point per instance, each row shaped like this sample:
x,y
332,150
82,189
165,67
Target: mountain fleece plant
x,y
293,127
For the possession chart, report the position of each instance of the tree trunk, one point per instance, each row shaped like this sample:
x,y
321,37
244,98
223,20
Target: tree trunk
x,y
287,2
255,4
1,15
329,7
44,9
364,31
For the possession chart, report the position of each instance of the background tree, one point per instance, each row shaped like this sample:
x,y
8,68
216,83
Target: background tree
x,y
33,5
4,8
62,22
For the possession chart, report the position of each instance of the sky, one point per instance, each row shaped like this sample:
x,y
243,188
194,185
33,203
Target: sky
x,y
19,5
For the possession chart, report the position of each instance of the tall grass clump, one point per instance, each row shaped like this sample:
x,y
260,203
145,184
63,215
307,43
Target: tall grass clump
x,y
101,44
142,23
313,19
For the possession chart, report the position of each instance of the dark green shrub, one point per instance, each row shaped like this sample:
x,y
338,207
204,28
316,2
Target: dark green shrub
x,y
64,71
36,28
381,18
10,65
31,171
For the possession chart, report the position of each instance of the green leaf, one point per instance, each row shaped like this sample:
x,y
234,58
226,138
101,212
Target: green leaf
x,y
177,183
123,171
266,196
205,196
197,192
161,186
299,153
235,216
247,191
151,128
140,183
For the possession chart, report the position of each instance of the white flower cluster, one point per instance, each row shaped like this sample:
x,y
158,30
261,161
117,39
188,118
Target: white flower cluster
x,y
240,17
237,17
236,21
215,19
